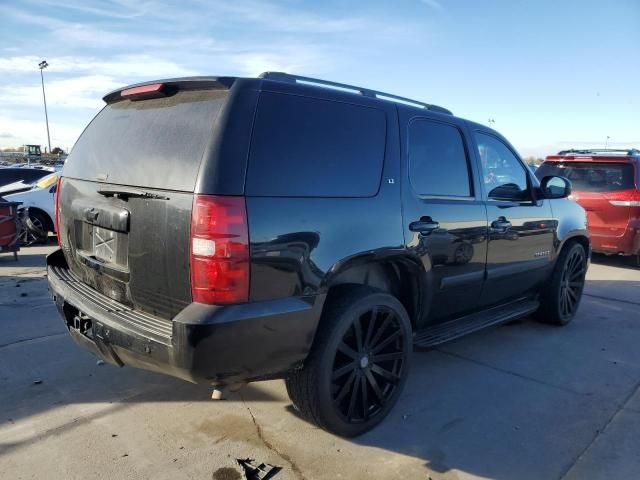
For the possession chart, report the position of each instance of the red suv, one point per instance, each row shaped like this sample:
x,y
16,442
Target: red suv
x,y
606,183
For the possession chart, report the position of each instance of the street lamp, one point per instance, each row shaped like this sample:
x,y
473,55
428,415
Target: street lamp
x,y
606,142
491,122
42,65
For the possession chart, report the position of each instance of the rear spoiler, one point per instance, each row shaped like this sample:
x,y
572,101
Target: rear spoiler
x,y
170,86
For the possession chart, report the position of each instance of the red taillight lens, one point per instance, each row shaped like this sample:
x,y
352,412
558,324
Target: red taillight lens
x,y
57,212
624,198
219,250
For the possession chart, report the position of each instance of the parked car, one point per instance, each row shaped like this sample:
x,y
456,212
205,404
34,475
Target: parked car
x,y
39,200
226,230
607,184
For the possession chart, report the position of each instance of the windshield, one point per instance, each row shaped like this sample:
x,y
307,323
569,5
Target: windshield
x,y
592,177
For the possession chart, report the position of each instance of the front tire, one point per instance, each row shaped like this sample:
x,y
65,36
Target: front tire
x,y
358,364
561,295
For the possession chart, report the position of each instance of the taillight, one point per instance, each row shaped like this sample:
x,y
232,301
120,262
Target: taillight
x,y
624,198
219,250
57,212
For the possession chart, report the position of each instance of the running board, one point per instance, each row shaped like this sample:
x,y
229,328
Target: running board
x,y
445,332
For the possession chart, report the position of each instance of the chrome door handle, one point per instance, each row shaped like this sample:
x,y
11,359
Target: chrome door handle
x,y
424,227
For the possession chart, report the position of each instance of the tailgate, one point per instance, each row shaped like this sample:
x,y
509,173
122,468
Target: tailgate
x,y
127,191
132,249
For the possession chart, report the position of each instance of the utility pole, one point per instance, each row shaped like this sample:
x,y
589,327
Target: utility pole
x,y
42,65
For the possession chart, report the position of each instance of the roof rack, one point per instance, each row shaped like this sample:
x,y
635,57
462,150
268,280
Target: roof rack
x,y
288,78
590,151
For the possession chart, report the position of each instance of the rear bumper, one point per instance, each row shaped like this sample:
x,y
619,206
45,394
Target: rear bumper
x,y
210,344
627,244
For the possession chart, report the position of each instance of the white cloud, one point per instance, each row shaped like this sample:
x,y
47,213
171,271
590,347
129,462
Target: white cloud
x,y
14,133
117,66
77,92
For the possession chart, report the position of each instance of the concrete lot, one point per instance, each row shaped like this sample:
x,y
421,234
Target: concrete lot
x,y
521,401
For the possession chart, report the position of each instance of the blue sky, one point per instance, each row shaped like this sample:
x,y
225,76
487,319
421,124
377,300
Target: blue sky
x,y
553,74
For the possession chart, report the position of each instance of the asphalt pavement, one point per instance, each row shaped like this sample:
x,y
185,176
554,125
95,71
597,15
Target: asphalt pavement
x,y
522,401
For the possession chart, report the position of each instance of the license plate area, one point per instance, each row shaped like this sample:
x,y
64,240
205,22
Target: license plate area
x,y
106,246
109,247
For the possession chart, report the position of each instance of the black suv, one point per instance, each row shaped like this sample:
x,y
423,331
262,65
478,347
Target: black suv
x,y
227,230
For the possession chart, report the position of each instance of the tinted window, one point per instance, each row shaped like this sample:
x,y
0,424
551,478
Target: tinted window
x,y
153,143
315,148
437,160
504,175
592,177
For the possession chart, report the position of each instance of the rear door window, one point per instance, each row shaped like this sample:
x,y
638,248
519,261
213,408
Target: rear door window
x,y
157,143
591,176
308,147
438,163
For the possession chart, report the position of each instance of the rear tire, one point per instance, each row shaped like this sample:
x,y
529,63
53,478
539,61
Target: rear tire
x,y
358,364
560,298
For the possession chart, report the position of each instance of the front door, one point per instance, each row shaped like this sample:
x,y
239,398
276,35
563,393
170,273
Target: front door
x,y
521,227
444,215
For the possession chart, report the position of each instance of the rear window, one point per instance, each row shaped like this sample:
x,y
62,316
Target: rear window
x,y
438,160
156,143
591,177
306,147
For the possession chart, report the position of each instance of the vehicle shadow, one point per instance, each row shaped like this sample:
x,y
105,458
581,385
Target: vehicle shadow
x,y
619,261
523,400
520,401
28,257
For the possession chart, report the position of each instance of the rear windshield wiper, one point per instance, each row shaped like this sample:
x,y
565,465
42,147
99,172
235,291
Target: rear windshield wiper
x,y
130,193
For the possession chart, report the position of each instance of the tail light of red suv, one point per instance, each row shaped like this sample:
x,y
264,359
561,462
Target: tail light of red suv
x,y
219,250
624,198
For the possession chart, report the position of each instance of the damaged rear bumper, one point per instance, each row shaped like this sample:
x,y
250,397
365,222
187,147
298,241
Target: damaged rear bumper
x,y
210,344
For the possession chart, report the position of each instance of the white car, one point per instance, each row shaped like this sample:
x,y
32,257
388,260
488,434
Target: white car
x,y
40,199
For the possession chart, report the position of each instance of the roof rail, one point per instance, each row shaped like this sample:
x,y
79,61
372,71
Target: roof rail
x,y
588,151
365,92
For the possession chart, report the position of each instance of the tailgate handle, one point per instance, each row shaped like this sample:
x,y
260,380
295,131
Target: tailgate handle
x,y
91,214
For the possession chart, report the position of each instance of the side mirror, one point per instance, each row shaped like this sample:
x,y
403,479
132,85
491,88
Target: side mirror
x,y
555,187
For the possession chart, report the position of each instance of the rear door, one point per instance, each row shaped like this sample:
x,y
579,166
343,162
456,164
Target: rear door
x,y
445,220
521,227
126,197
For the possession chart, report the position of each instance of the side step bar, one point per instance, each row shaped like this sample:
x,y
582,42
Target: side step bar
x,y
445,332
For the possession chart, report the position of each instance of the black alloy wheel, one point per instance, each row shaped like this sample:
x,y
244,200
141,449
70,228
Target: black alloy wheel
x,y
358,364
572,282
368,364
560,297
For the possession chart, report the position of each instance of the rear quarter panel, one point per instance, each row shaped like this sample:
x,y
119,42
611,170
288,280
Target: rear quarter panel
x,y
298,243
572,222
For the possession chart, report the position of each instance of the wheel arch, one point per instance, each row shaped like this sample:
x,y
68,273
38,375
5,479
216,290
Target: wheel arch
x,y
50,226
581,237
394,271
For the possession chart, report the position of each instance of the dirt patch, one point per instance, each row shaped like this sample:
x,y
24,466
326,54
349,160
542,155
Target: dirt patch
x,y
229,428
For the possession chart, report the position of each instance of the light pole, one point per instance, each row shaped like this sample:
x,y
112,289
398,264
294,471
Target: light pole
x,y
606,142
42,65
491,122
